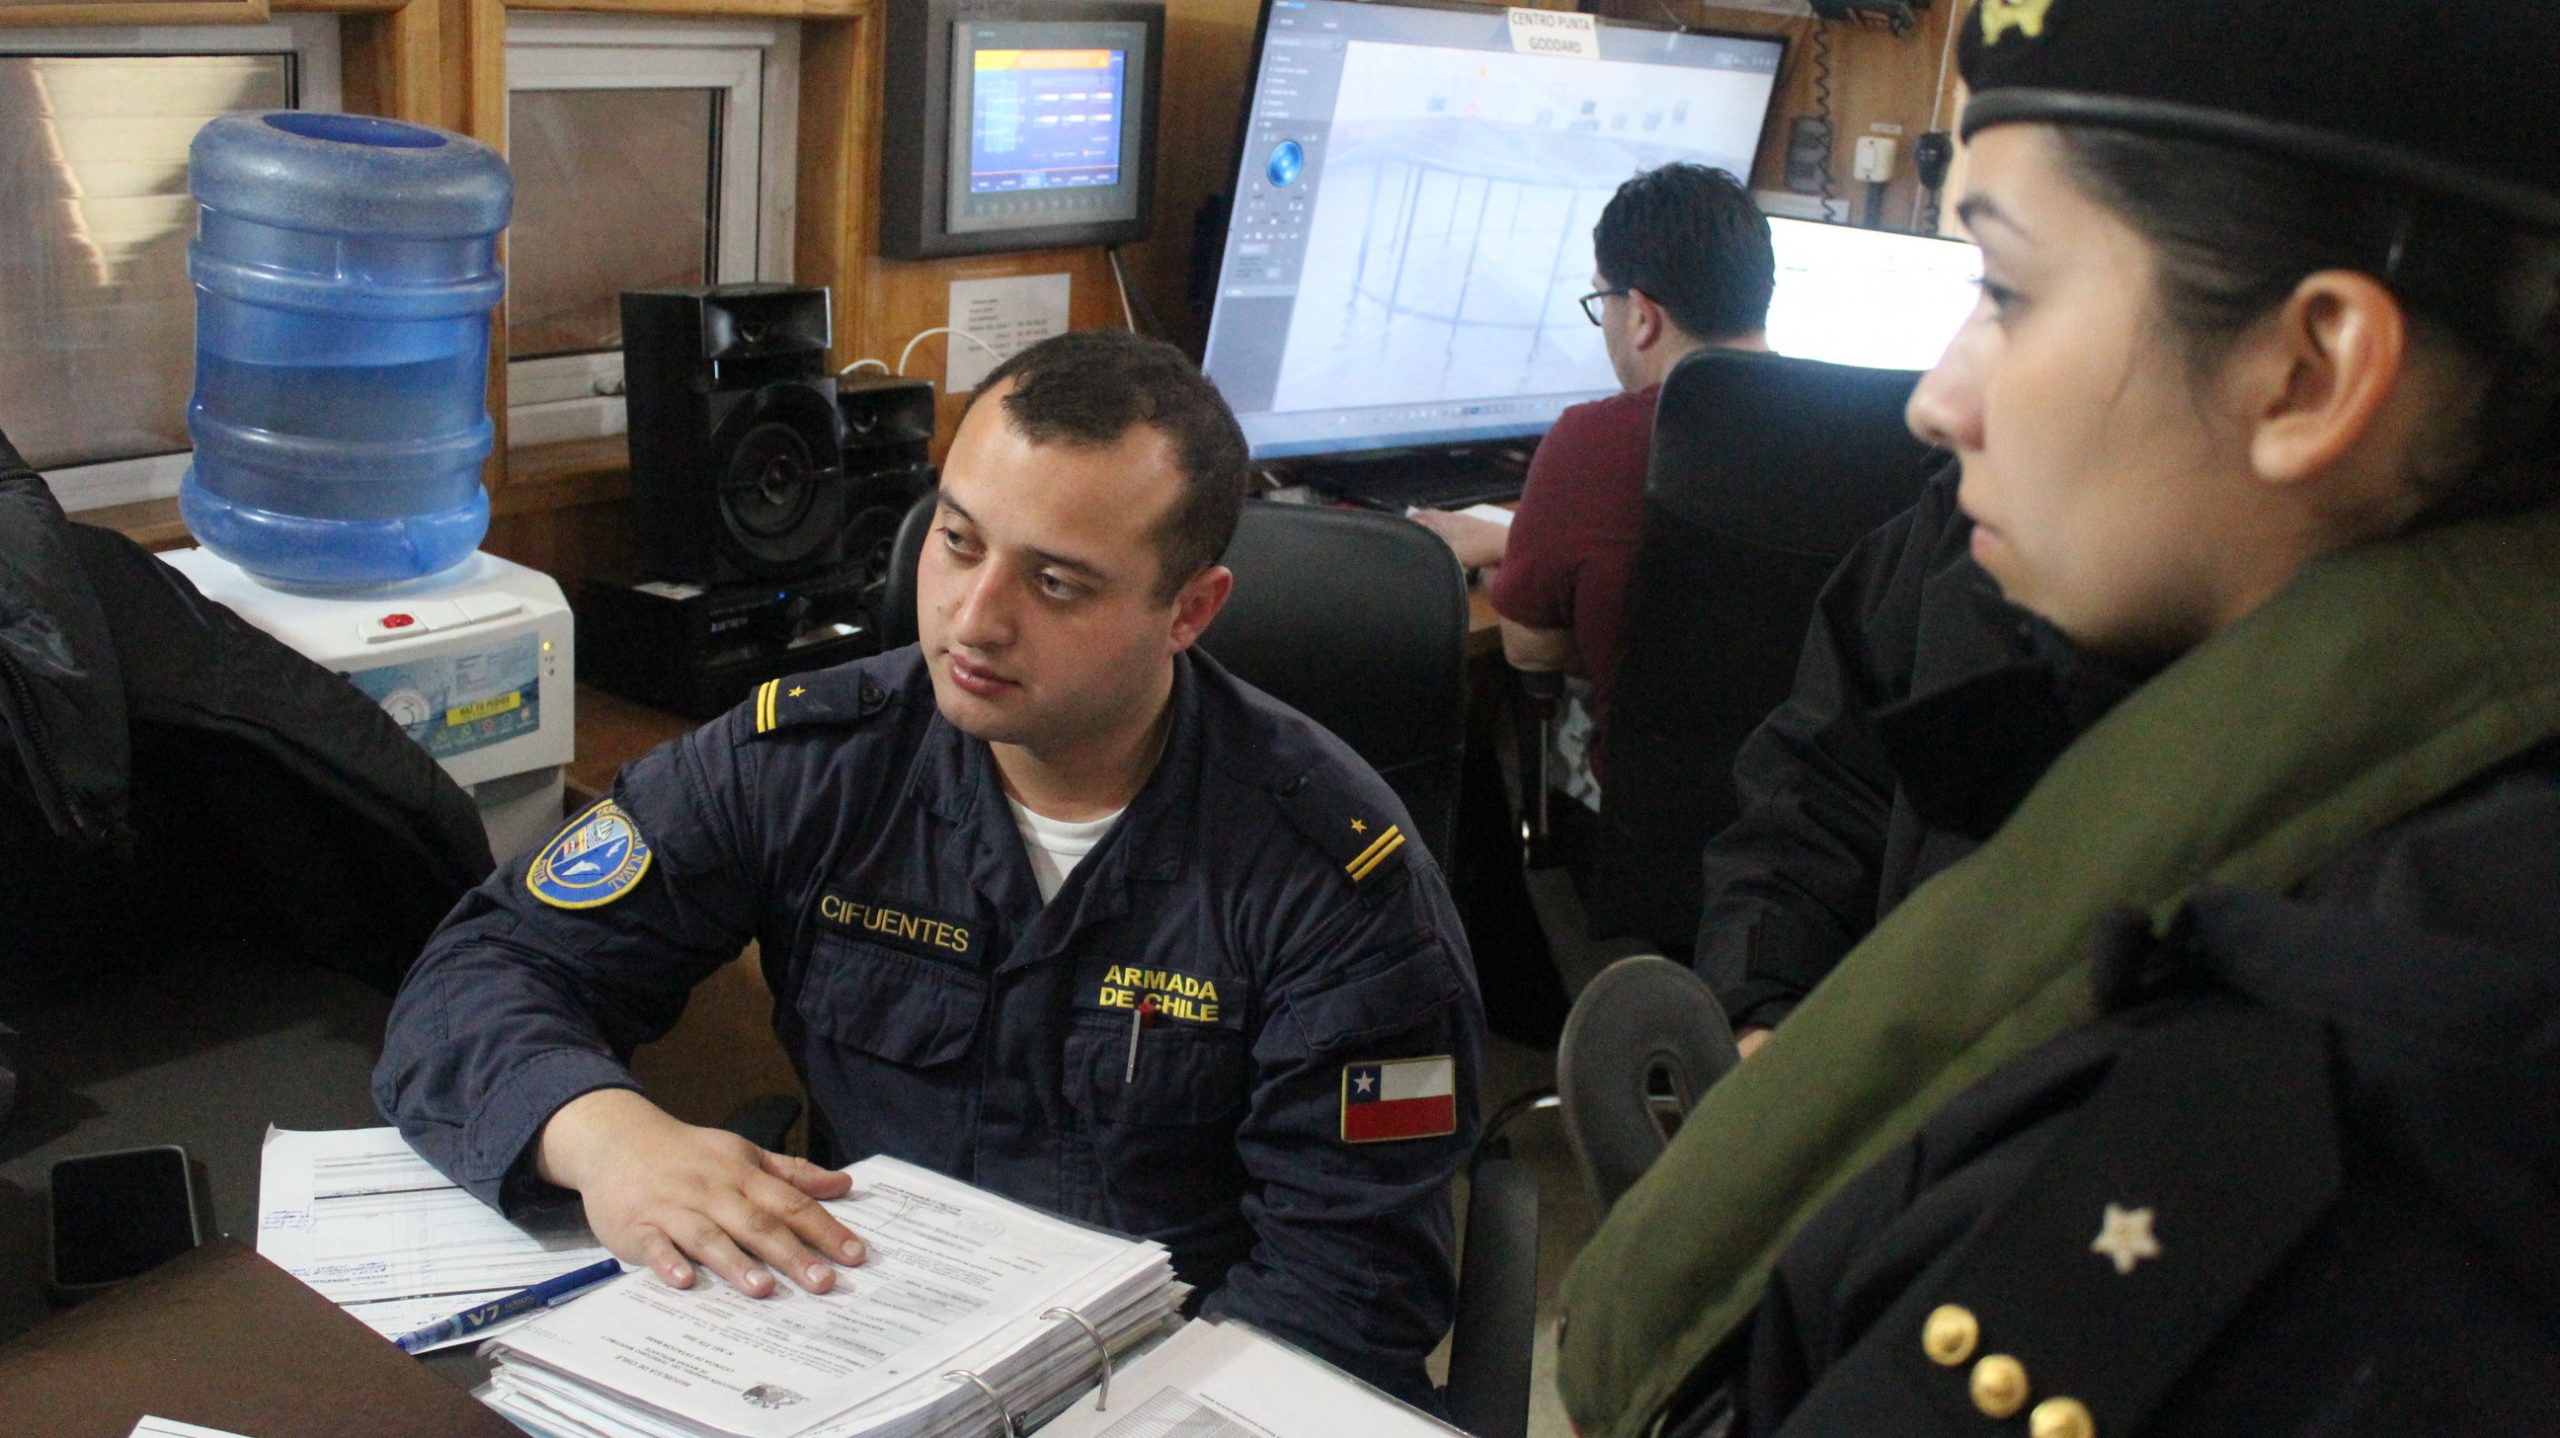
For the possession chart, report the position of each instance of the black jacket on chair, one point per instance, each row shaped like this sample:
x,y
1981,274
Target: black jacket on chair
x,y
177,781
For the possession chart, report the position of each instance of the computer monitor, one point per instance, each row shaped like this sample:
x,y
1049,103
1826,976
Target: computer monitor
x,y
1869,297
1413,210
1017,124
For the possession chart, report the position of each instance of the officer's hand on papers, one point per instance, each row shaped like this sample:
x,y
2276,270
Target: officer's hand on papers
x,y
659,1191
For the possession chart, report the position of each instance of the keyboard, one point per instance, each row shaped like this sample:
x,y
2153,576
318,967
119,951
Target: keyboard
x,y
1421,480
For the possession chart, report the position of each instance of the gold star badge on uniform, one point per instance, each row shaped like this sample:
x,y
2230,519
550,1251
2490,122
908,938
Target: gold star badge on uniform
x,y
1359,828
797,691
2124,1237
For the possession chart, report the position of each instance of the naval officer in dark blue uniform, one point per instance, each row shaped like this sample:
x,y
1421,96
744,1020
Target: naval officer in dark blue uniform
x,y
1051,903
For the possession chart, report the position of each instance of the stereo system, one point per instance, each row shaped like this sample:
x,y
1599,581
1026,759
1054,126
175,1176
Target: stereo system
x,y
766,496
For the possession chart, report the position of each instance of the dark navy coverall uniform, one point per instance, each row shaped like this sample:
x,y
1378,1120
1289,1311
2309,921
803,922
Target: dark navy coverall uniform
x,y
1260,889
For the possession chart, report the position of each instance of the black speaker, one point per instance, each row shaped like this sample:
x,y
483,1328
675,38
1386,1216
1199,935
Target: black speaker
x,y
735,469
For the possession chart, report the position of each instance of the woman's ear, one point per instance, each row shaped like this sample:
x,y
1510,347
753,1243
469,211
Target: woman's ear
x,y
2317,378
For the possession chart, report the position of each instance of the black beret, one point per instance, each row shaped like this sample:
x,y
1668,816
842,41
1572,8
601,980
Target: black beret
x,y
2447,97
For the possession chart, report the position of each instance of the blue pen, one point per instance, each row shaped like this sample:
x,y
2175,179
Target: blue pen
x,y
541,1295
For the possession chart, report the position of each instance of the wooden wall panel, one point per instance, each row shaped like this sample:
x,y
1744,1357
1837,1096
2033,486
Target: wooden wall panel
x,y
894,300
1877,79
902,298
568,541
389,60
835,135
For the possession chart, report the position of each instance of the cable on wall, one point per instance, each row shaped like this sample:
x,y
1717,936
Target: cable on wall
x,y
924,335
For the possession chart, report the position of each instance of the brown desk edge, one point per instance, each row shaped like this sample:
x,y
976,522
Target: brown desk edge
x,y
223,1338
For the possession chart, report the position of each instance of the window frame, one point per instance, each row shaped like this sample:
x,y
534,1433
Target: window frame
x,y
757,64
314,42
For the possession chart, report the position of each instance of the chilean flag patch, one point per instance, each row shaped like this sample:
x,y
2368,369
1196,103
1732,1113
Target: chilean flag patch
x,y
1399,1098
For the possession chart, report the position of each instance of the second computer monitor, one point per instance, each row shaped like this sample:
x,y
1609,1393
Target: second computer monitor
x,y
1869,297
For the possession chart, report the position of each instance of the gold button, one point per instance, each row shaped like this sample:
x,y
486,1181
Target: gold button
x,y
2061,1418
1999,1386
1950,1334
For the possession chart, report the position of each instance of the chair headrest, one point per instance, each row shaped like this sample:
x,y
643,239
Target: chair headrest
x,y
1786,453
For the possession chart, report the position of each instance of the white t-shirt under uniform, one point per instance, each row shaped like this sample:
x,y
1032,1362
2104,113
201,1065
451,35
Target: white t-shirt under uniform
x,y
1055,846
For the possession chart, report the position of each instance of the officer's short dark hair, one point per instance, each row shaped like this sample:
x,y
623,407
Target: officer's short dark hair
x,y
1690,237
1088,387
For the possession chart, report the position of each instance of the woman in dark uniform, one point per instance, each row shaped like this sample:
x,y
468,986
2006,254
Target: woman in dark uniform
x,y
2217,1092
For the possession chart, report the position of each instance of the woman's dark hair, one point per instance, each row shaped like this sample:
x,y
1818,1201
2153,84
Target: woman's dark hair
x,y
1090,387
2237,230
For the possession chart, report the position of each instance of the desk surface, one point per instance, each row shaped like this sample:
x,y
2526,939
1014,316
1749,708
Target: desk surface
x,y
200,1051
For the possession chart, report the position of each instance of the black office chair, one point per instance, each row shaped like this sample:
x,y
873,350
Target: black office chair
x,y
1359,621
1766,470
1356,620
898,606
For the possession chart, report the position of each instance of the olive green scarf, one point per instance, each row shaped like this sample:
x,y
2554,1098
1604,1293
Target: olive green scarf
x,y
2379,680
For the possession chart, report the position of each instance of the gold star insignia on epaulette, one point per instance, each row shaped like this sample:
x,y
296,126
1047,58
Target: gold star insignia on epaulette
x,y
1999,17
1359,828
1368,860
797,691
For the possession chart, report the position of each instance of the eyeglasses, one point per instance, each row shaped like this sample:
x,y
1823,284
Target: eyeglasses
x,y
1590,310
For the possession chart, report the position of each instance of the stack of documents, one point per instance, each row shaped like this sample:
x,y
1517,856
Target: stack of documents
x,y
960,1289
358,1215
1217,1379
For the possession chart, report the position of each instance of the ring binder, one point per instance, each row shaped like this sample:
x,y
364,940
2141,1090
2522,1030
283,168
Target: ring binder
x,y
1004,1416
996,1370
1102,1350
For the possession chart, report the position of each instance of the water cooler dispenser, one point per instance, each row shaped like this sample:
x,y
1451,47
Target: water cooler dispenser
x,y
344,269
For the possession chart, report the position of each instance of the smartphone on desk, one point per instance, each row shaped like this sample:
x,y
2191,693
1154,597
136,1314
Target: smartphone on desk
x,y
118,1215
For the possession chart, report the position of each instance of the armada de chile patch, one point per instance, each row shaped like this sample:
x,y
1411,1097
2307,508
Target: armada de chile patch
x,y
594,861
1385,1099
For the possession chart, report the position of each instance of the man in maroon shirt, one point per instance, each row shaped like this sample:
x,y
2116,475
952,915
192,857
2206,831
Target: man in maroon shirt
x,y
1681,260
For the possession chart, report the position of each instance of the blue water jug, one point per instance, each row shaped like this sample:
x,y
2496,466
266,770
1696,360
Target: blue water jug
x,y
344,269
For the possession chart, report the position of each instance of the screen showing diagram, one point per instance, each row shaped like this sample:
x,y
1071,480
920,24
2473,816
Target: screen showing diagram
x,y
1412,224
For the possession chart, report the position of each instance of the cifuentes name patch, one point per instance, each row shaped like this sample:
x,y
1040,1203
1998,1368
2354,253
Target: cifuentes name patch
x,y
909,928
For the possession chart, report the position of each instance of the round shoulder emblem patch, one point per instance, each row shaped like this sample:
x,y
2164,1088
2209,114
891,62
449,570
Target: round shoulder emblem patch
x,y
595,860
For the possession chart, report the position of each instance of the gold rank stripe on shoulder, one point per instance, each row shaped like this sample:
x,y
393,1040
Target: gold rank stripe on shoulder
x,y
766,695
1370,858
